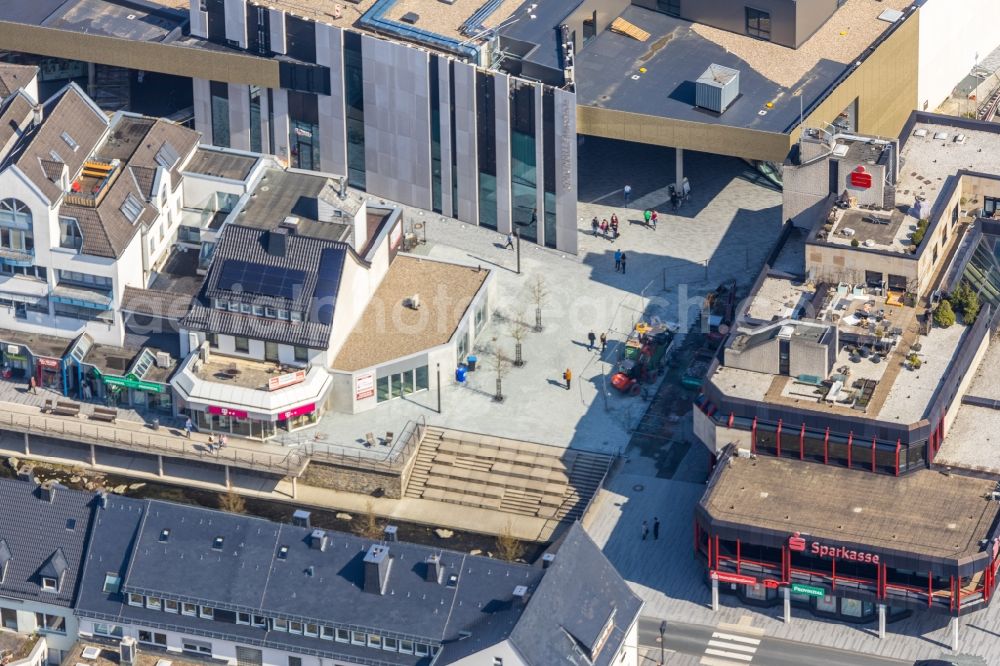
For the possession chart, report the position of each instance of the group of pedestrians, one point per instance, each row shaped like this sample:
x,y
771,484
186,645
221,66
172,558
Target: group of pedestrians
x,y
607,229
592,340
656,529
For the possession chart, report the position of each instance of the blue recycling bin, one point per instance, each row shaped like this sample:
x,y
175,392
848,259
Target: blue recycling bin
x,y
460,372
472,362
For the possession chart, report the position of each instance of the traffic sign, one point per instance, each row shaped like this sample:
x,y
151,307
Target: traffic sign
x,y
808,590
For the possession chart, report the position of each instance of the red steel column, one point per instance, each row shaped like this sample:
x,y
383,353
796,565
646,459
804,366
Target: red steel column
x,y
930,589
850,443
753,436
732,417
737,556
802,442
898,445
873,454
777,440
826,447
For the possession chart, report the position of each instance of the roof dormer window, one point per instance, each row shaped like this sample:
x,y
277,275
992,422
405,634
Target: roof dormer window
x,y
50,584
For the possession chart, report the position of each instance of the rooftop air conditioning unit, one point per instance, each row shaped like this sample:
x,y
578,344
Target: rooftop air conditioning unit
x,y
162,359
414,301
717,88
127,651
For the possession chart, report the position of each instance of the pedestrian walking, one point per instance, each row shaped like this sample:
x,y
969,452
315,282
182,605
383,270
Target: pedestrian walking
x,y
568,376
624,258
222,442
656,529
510,242
604,341
591,339
614,226
211,443
595,224
645,530
604,228
652,219
647,215
188,427
628,193
675,200
33,385
618,260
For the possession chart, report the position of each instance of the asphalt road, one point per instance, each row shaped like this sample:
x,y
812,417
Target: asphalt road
x,y
727,647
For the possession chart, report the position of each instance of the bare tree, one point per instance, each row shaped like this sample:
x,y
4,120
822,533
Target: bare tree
x,y
369,527
539,296
500,365
509,547
518,329
232,502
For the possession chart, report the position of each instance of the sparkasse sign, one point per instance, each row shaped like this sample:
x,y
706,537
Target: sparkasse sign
x,y
797,543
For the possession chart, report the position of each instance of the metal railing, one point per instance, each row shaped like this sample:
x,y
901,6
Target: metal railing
x,y
394,460
291,463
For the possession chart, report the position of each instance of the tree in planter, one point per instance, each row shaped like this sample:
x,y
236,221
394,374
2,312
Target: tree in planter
x,y
539,296
509,547
518,330
369,527
232,502
500,365
944,316
966,301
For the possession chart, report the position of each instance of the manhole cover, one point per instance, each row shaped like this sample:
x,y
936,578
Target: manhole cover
x,y
638,487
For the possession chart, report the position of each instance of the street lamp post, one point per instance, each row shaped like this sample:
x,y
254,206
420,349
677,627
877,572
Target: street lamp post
x,y
439,386
517,235
663,650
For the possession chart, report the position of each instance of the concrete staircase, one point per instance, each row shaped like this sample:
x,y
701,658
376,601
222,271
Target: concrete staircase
x,y
511,476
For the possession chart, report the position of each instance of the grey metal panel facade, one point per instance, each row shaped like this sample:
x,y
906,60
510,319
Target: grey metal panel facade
x,y
566,174
397,122
465,139
505,220
236,21
281,126
265,123
540,164
239,116
444,74
332,117
202,109
276,21
199,20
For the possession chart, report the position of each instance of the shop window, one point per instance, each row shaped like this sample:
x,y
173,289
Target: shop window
x,y
242,344
758,23
422,380
271,351
851,607
826,604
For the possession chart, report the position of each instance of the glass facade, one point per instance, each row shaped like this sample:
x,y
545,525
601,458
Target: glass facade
x,y
303,139
982,273
355,93
486,145
219,95
435,94
454,141
523,167
549,163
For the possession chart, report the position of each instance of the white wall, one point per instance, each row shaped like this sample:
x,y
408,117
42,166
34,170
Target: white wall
x,y
487,657
951,33
26,623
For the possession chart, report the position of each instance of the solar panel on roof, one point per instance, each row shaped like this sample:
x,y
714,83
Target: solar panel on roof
x,y
331,265
260,279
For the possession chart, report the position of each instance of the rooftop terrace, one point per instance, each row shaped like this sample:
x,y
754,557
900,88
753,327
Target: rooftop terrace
x,y
946,516
875,340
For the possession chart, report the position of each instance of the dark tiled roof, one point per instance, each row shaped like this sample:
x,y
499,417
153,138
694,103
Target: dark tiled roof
x,y
182,140
14,77
68,111
145,178
581,611
16,112
168,305
105,229
37,535
244,244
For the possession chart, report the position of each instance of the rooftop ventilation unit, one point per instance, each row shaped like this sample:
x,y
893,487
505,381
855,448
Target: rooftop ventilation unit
x,y
920,132
376,573
941,136
841,149
433,569
785,332
717,88
163,359
301,518
548,559
960,138
318,540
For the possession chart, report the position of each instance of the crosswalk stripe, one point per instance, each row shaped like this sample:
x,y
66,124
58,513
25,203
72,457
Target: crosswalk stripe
x,y
734,637
733,646
729,655
712,661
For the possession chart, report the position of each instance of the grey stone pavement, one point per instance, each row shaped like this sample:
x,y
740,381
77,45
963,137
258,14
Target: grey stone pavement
x,y
666,575
722,233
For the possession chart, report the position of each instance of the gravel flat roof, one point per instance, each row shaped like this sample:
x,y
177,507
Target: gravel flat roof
x,y
923,513
389,329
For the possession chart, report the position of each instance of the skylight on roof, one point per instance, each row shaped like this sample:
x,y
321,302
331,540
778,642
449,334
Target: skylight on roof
x,y
165,534
55,156
71,524
69,141
131,208
217,543
283,553
167,156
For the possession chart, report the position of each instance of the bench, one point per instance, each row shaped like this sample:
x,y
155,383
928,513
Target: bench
x,y
106,414
66,409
